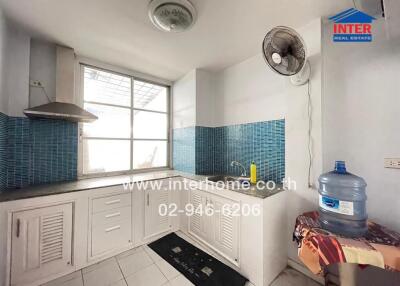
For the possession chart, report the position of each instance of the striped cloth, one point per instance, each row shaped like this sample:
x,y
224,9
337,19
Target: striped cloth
x,y
318,248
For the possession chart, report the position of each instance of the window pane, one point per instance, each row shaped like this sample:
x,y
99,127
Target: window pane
x,y
105,87
149,154
149,96
101,156
150,125
113,122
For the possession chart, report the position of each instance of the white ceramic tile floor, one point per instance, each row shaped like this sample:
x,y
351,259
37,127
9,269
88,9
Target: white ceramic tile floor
x,y
150,275
143,267
180,281
289,277
108,274
134,262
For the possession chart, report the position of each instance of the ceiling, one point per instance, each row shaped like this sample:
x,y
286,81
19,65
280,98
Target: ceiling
x,y
119,32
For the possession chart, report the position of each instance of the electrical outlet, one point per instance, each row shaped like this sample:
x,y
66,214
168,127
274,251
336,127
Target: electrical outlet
x,y
35,83
393,163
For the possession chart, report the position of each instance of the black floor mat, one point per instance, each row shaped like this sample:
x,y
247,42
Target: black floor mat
x,y
196,265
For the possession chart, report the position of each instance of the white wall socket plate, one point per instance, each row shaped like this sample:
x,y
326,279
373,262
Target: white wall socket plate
x,y
393,163
36,83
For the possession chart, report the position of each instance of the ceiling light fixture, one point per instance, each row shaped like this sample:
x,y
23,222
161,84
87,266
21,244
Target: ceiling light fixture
x,y
172,15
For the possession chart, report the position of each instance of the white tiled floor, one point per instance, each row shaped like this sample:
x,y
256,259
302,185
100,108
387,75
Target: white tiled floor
x,y
143,267
289,277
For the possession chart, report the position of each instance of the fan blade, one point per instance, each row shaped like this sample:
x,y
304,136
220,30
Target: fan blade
x,y
283,41
292,64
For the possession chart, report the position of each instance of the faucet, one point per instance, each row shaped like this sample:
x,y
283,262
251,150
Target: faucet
x,y
236,163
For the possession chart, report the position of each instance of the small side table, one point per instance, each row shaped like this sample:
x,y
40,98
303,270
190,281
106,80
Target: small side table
x,y
319,248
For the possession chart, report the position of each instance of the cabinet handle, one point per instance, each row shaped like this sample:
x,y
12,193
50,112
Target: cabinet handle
x,y
18,227
113,202
113,215
148,199
112,228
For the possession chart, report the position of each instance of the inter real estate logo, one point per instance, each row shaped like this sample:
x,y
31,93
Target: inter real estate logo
x,y
352,26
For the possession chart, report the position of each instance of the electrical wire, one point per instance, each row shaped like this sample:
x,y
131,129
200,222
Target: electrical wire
x,y
44,91
310,141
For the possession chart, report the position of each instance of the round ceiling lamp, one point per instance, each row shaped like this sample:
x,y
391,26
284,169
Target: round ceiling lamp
x,y
172,15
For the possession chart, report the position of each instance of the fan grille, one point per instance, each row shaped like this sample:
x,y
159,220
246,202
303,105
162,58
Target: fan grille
x,y
289,45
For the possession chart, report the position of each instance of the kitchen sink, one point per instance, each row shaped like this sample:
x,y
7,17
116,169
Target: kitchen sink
x,y
222,178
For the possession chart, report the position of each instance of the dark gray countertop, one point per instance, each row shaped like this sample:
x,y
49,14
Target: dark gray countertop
x,y
94,183
80,185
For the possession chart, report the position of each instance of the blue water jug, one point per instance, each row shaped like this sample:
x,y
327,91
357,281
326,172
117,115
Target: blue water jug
x,y
342,202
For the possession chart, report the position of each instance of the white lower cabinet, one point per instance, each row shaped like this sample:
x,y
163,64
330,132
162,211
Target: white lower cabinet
x,y
198,224
226,227
156,222
41,243
111,224
220,227
50,236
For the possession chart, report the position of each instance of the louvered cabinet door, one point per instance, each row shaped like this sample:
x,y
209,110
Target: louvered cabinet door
x,y
196,220
226,228
41,243
155,222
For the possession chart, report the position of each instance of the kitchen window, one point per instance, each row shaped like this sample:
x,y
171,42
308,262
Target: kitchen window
x,y
132,132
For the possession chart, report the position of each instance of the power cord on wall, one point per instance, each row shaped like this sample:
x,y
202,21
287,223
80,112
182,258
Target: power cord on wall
x,y
37,84
310,153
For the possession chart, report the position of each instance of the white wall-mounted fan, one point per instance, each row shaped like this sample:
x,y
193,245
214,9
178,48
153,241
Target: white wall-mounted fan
x,y
285,53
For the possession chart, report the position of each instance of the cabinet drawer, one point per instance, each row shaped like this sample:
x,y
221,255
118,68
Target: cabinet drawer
x,y
111,236
111,216
111,202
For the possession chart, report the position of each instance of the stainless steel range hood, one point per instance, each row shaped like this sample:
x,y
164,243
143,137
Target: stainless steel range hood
x,y
63,107
60,110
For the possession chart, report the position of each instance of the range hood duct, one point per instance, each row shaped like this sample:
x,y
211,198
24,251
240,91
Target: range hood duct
x,y
63,107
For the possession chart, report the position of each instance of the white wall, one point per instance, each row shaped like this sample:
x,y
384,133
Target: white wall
x,y
3,47
205,98
251,92
296,154
184,101
15,87
16,65
360,116
194,100
42,68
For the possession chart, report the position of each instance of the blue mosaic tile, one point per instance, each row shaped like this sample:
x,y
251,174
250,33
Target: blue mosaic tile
x,y
19,150
41,151
3,151
205,153
211,150
55,149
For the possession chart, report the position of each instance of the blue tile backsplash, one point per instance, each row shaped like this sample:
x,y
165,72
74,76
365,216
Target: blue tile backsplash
x,y
37,151
55,151
216,148
205,151
44,151
3,151
18,152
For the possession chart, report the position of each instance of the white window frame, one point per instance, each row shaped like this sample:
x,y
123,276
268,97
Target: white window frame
x,y
80,91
